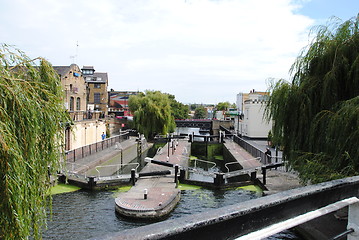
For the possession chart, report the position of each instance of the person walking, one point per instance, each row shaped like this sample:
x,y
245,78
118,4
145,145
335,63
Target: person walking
x,y
103,136
268,154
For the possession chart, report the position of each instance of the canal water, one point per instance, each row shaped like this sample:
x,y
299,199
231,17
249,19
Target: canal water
x,y
91,214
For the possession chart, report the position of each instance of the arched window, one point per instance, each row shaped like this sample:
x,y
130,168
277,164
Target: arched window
x,y
78,103
72,103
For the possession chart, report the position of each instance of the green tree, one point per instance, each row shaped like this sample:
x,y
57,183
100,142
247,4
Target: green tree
x,y
200,112
179,110
223,106
316,116
152,113
32,115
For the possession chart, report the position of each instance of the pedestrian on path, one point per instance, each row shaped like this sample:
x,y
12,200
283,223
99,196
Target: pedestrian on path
x,y
103,136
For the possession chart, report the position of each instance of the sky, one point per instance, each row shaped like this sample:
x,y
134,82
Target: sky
x,y
201,51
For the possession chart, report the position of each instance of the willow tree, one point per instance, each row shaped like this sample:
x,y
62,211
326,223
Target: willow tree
x,y
316,116
31,113
152,113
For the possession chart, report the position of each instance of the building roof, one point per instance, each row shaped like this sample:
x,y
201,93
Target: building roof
x,y
97,77
63,70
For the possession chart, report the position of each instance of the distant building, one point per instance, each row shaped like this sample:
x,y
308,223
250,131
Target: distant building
x,y
97,82
250,121
118,102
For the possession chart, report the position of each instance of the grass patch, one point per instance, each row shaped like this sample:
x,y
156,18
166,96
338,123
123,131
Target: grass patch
x,y
188,187
63,188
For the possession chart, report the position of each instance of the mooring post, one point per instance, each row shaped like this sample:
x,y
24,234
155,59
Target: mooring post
x,y
176,172
145,193
133,176
264,173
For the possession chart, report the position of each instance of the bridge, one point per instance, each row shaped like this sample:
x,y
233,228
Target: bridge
x,y
194,123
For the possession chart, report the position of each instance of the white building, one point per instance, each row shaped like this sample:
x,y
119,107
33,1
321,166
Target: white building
x,y
252,107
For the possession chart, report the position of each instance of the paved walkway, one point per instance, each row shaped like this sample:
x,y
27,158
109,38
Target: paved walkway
x,y
87,163
162,194
246,160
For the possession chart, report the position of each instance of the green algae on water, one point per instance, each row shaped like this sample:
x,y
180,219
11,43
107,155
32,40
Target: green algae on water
x,y
252,188
63,188
121,190
188,187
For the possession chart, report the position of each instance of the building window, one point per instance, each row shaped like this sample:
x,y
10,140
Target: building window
x,y
78,103
71,103
97,97
97,85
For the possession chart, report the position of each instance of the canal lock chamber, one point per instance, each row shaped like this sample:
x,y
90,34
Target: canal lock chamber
x,y
209,159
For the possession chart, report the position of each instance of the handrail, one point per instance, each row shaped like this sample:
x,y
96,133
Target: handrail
x,y
119,166
257,158
159,151
295,221
195,165
72,171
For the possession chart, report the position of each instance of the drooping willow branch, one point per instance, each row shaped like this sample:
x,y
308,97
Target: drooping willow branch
x,y
31,135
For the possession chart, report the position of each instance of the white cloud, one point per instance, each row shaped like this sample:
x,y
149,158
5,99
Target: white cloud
x,y
208,50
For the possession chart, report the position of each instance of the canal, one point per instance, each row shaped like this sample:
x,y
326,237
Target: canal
x,y
91,214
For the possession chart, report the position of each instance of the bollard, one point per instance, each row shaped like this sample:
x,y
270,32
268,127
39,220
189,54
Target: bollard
x,y
253,176
182,175
145,193
176,172
264,173
133,176
219,180
91,182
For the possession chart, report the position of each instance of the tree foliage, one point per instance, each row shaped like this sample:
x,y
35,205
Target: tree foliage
x,y
31,113
200,112
179,110
316,116
152,113
223,106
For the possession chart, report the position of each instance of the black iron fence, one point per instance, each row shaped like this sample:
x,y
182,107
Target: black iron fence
x,y
79,153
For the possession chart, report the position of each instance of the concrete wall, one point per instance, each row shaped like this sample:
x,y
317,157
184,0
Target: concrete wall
x,y
254,125
217,123
86,132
